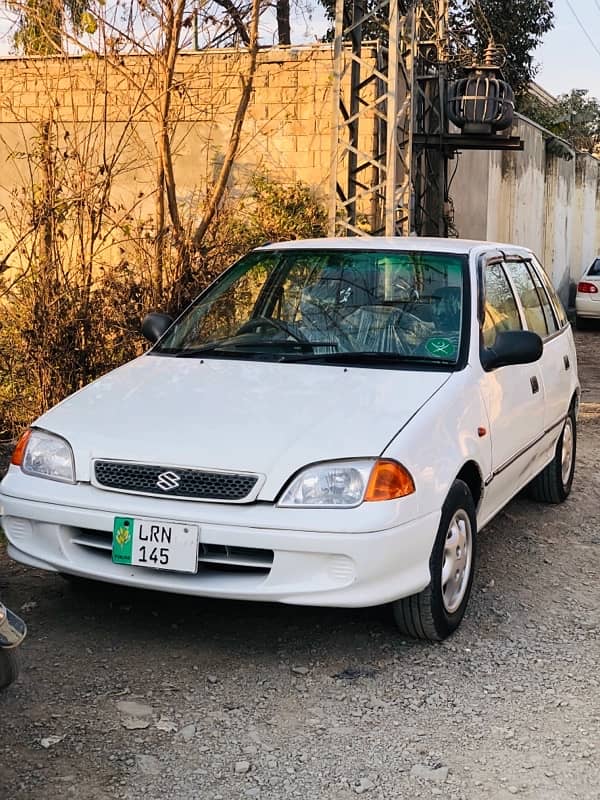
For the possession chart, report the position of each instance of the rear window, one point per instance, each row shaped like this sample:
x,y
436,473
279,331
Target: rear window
x,y
595,268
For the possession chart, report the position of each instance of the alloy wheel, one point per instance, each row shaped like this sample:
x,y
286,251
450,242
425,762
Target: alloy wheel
x,y
566,461
456,566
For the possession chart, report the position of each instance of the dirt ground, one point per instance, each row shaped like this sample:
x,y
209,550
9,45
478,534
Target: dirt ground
x,y
129,694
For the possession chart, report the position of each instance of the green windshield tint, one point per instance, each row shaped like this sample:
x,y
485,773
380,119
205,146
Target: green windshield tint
x,y
330,302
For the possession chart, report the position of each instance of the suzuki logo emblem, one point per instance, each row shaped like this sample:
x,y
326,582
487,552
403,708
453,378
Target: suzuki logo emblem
x,y
168,480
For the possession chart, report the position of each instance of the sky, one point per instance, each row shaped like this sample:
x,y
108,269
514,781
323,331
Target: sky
x,y
567,58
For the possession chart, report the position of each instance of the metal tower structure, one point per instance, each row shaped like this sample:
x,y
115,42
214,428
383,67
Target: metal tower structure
x,y
429,158
388,63
390,137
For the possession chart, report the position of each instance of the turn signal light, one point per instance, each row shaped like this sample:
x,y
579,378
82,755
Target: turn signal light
x,y
19,451
587,288
388,481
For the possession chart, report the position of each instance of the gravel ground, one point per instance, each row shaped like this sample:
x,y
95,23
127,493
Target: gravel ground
x,y
129,694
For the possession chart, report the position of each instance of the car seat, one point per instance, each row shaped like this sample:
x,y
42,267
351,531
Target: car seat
x,y
325,304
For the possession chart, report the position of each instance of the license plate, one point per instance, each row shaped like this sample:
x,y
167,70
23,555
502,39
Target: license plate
x,y
155,543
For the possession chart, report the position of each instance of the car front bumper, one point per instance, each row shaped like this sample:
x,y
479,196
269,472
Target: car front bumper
x,y
330,557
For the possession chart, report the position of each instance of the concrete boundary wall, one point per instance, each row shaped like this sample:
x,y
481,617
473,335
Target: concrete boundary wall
x,y
287,130
546,198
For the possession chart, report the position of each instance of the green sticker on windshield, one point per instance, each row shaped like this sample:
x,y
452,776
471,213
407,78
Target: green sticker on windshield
x,y
440,347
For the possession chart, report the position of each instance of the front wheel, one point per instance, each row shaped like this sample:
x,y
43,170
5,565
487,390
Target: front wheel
x,y
553,484
9,667
437,611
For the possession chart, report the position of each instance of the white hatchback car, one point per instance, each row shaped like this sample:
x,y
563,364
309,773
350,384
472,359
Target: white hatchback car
x,y
329,423
587,299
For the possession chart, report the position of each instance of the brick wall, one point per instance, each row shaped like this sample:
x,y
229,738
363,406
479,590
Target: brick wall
x,y
287,131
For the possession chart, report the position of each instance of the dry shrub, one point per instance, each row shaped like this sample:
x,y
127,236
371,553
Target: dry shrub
x,y
63,325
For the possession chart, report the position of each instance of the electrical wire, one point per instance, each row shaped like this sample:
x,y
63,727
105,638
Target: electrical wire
x,y
453,231
582,26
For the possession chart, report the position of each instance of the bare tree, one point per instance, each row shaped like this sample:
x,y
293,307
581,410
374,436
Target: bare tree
x,y
82,257
156,32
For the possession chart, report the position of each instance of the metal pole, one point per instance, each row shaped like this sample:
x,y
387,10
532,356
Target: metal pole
x,y
356,39
391,180
428,160
337,125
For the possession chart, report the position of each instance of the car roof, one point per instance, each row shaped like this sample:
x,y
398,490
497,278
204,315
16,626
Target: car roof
x,y
412,243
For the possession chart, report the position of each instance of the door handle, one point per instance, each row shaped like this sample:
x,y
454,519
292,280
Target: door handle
x,y
566,362
535,386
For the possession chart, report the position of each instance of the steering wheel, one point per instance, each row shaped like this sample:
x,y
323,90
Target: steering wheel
x,y
259,322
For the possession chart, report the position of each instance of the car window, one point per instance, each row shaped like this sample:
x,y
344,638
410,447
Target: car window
x,y
595,268
529,297
559,310
551,322
500,307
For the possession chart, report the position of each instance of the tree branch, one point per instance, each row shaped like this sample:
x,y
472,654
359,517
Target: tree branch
x,y
221,184
237,19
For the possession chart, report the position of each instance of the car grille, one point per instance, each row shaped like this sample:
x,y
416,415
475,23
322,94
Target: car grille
x,y
192,484
218,556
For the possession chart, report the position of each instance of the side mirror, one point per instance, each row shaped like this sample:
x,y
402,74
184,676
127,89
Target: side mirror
x,y
512,347
155,324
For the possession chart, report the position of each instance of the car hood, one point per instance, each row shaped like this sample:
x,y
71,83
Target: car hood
x,y
267,418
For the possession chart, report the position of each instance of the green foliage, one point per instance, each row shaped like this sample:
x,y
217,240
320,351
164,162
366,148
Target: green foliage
x,y
575,118
40,24
533,108
371,29
286,211
518,26
272,212
88,23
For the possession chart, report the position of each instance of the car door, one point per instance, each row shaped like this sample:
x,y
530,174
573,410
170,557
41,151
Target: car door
x,y
513,395
558,359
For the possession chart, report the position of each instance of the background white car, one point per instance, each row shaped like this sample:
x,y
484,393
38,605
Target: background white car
x,y
587,299
330,423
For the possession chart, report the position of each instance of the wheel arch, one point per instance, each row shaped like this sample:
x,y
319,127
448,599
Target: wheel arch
x,y
471,475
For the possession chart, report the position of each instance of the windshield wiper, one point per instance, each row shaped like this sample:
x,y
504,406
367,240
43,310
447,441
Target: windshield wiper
x,y
231,348
366,357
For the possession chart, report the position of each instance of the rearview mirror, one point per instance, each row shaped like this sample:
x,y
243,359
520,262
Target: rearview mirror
x,y
155,324
512,347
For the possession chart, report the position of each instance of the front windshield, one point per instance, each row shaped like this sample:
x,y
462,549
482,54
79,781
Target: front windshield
x,y
329,305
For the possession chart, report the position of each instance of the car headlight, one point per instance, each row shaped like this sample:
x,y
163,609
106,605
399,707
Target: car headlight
x,y
346,484
45,455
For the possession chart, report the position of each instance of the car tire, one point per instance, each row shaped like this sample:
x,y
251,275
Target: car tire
x,y
581,323
9,667
437,611
553,484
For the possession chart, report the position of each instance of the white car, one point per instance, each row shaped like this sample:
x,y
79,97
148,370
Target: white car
x,y
587,299
330,423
